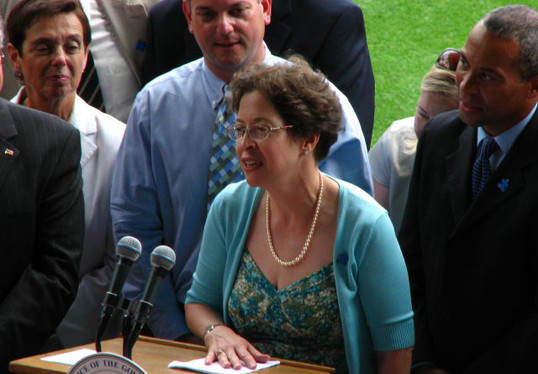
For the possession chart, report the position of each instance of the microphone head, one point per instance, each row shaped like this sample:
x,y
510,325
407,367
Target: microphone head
x,y
129,248
163,256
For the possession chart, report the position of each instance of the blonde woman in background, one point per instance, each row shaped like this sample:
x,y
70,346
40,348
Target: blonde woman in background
x,y
393,156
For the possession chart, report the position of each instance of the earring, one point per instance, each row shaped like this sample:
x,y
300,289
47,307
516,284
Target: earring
x,y
18,76
306,152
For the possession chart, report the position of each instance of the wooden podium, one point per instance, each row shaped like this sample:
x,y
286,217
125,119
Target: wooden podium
x,y
153,355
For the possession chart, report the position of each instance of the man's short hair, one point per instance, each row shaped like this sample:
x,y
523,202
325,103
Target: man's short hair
x,y
189,3
520,24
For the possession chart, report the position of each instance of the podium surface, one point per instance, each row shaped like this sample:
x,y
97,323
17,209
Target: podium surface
x,y
153,355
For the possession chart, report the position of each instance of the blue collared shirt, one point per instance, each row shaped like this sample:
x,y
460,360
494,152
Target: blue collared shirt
x,y
504,140
159,190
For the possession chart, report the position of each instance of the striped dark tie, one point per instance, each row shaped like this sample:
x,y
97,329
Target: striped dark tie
x,y
89,88
224,167
481,167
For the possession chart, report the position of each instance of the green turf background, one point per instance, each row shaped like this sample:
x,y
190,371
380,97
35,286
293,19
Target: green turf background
x,y
405,37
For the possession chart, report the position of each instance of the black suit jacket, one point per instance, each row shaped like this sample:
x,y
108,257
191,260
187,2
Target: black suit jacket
x,y
473,266
328,33
41,227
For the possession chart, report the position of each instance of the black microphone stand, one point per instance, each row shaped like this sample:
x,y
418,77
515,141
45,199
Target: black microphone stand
x,y
128,317
143,310
109,306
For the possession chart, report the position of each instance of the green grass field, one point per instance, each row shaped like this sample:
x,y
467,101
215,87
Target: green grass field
x,y
405,37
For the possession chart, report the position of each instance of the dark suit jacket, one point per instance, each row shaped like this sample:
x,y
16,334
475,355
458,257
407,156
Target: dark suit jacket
x,y
41,227
473,265
328,33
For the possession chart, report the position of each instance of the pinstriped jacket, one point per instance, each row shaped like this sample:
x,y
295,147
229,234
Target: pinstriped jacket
x,y
41,227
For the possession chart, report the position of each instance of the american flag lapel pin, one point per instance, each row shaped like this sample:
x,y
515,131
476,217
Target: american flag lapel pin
x,y
8,152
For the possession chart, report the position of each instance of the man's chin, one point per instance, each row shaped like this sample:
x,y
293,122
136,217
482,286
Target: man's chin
x,y
472,118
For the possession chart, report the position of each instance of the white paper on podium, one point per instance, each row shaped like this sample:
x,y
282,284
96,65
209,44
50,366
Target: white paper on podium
x,y
70,358
200,366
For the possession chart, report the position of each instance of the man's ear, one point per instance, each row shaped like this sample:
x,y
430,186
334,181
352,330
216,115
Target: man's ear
x,y
267,8
533,91
187,13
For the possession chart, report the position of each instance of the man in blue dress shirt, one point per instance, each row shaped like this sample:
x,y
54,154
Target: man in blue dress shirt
x,y
159,192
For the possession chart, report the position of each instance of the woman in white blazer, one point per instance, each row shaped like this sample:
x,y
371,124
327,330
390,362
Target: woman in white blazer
x,y
48,53
118,50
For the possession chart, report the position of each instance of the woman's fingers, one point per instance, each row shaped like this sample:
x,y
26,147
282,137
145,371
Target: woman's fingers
x,y
232,359
223,360
257,355
247,358
236,357
231,350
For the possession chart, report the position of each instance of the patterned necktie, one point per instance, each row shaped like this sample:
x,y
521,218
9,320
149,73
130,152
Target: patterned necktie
x,y
224,167
89,88
481,167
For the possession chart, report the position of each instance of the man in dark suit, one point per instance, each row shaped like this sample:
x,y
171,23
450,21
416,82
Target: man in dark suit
x,y
41,226
470,234
329,34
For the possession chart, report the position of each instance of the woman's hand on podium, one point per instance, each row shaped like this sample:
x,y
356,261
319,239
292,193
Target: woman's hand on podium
x,y
229,349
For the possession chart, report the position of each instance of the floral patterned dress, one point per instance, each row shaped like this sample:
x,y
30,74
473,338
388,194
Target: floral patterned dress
x,y
300,322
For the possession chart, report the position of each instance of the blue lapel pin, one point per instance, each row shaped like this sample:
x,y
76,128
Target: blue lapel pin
x,y
141,46
503,185
343,259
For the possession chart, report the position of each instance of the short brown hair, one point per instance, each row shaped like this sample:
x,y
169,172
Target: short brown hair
x,y
302,97
520,24
27,12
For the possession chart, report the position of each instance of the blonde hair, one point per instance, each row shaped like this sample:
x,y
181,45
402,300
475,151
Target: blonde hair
x,y
440,81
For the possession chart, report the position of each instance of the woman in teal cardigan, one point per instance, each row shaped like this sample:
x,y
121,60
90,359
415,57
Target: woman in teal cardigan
x,y
341,298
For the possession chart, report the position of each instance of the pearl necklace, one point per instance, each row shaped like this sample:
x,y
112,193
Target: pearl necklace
x,y
308,238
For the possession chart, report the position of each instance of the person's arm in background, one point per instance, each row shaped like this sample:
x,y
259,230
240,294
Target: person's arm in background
x,y
381,165
382,194
394,362
136,211
345,59
348,156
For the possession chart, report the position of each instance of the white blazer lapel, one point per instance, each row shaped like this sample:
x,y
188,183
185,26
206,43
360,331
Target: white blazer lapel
x,y
88,128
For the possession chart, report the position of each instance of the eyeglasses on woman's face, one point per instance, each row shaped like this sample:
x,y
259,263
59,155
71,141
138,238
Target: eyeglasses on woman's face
x,y
255,132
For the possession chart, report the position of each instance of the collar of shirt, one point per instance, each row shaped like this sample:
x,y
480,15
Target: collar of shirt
x,y
213,85
507,138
